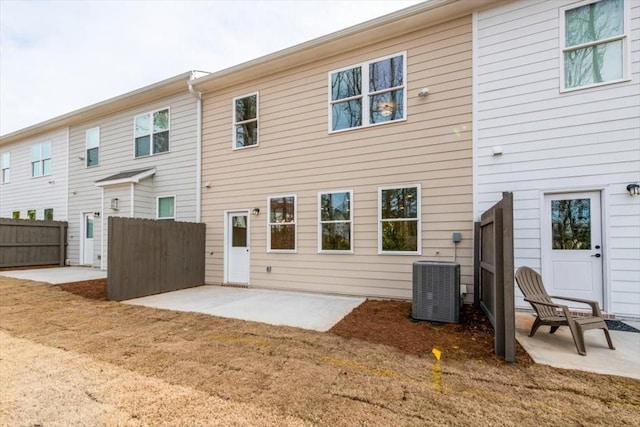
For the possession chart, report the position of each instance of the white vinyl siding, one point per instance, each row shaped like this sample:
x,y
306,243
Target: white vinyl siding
x,y
175,170
432,147
551,141
25,192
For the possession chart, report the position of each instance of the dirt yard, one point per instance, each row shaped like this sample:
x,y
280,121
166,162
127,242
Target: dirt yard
x,y
68,359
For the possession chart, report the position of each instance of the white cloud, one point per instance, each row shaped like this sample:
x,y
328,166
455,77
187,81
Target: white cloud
x,y
59,56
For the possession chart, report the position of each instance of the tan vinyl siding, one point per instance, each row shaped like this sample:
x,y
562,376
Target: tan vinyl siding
x,y
175,170
297,155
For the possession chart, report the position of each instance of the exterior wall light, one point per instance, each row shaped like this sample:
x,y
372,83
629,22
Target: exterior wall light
x,y
255,211
633,189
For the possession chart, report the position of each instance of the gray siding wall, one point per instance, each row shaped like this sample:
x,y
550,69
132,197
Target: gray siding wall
x,y
23,192
144,200
175,170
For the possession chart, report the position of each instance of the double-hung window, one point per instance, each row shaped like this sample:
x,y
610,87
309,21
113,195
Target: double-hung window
x,y
5,165
369,93
335,226
594,47
151,133
245,121
399,219
166,207
41,159
92,139
281,232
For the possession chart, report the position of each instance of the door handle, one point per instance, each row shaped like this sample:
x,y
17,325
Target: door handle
x,y
596,255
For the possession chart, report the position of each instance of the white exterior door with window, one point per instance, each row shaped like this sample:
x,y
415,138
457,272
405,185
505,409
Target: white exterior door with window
x,y
237,247
572,246
87,239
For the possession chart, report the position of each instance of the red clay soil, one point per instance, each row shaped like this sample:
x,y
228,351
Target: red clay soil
x,y
388,322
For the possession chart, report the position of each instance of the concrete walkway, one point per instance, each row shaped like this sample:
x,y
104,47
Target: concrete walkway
x,y
303,310
57,275
558,350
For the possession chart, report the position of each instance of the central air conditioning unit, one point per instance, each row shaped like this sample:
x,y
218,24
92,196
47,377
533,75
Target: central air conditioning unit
x,y
436,291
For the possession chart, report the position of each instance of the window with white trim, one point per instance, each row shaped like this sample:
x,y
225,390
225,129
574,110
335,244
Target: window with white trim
x,y
41,159
151,133
245,121
15,214
335,221
594,43
92,140
368,93
281,232
399,219
166,208
48,214
31,214
5,165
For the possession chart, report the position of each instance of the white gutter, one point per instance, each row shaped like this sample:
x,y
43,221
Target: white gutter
x,y
198,96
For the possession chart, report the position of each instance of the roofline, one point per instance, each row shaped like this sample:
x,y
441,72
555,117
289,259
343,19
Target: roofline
x,y
422,15
148,93
144,174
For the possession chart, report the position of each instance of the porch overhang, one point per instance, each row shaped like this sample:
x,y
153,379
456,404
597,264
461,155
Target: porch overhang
x,y
126,177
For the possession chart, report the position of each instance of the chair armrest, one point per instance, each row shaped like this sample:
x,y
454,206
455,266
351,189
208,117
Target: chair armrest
x,y
548,304
595,308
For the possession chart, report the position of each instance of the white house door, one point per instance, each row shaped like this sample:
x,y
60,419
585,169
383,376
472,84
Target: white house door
x,y
237,246
572,245
87,239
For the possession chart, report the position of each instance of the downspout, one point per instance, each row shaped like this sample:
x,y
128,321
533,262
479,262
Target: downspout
x,y
198,96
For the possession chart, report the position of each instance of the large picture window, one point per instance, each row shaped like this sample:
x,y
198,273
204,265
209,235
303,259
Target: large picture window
x,y
151,133
282,223
594,48
41,159
245,121
335,226
399,220
92,137
369,93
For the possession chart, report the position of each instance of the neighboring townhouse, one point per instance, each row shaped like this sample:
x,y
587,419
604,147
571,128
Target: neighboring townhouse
x,y
135,155
33,174
333,165
557,120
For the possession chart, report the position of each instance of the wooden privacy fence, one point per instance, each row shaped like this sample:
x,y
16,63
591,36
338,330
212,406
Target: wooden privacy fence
x,y
493,265
26,242
148,257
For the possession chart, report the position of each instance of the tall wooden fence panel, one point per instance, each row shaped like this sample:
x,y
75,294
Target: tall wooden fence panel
x,y
148,257
26,242
494,270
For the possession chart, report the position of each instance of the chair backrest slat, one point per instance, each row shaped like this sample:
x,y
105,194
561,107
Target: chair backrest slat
x,y
531,286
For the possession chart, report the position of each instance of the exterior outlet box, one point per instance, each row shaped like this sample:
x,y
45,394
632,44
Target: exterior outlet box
x,y
268,269
457,237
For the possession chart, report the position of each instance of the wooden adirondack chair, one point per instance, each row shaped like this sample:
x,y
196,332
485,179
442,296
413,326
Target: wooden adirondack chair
x,y
556,315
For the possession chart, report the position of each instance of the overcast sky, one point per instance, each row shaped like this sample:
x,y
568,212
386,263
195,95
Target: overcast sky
x,y
58,56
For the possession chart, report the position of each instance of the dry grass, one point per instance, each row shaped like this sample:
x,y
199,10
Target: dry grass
x,y
281,375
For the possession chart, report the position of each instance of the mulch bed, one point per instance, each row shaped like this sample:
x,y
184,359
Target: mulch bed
x,y
388,322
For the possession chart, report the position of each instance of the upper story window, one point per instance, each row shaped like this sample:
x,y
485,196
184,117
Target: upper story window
x,y
281,233
41,159
245,121
399,220
167,207
369,93
335,226
594,44
92,138
5,165
152,133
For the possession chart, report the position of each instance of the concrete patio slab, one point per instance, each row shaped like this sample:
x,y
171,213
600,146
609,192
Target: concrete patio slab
x,y
57,275
302,310
558,350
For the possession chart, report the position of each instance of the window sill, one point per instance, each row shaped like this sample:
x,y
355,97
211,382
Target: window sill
x,y
151,155
399,253
595,85
282,251
349,252
367,126
244,148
